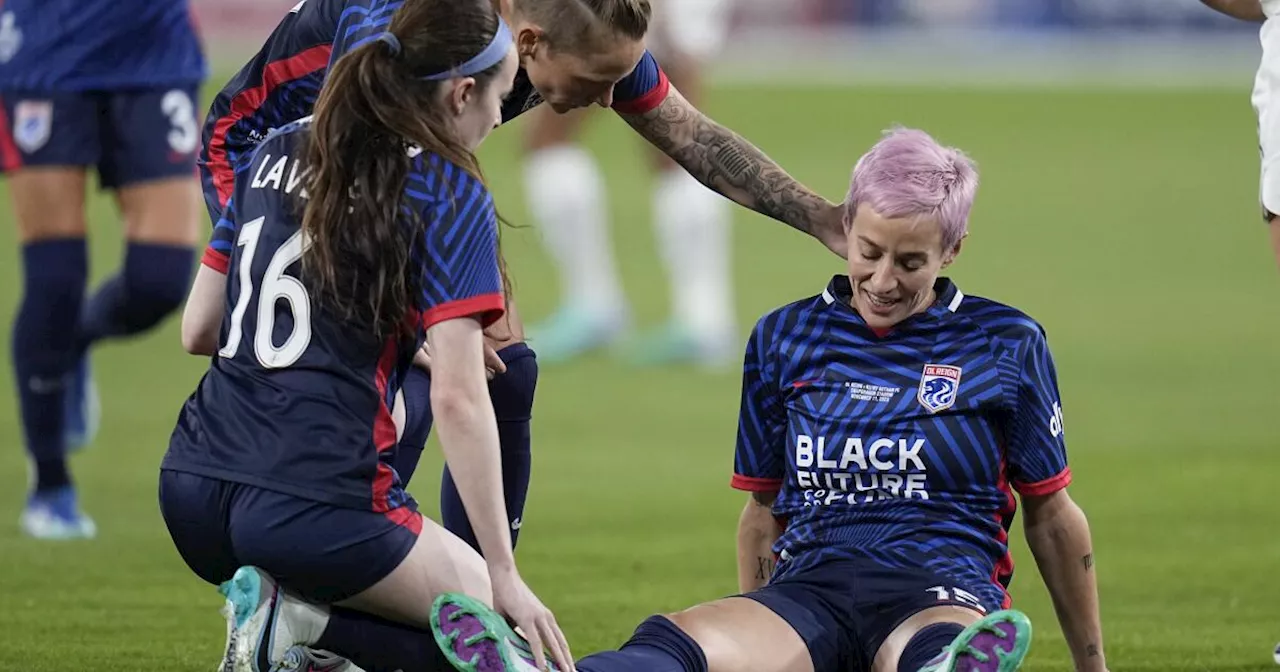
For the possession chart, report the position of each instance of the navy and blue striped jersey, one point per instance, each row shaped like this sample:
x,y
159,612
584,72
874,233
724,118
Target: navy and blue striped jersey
x,y
283,81
297,399
904,448
98,45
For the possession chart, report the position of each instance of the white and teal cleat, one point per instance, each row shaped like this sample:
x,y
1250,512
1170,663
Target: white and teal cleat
x,y
997,643
268,630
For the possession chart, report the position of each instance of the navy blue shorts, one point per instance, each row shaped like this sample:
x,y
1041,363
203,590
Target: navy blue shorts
x,y
131,137
844,609
323,552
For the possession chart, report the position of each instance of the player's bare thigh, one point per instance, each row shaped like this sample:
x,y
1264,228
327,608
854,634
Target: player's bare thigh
x,y
893,646
738,634
166,211
439,562
48,202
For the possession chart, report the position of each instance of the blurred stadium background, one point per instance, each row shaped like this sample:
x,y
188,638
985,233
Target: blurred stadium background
x,y
1118,206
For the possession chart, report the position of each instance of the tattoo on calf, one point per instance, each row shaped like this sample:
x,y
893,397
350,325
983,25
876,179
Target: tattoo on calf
x,y
1092,650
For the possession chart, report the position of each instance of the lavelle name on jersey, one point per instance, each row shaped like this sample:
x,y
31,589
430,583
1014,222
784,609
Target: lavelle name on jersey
x,y
867,470
272,175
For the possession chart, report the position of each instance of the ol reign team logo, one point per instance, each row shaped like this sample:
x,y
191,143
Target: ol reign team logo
x,y
938,387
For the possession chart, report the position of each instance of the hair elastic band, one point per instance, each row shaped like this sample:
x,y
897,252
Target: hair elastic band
x,y
487,58
392,42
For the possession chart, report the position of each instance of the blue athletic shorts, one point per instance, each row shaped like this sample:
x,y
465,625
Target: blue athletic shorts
x,y
131,137
323,552
844,608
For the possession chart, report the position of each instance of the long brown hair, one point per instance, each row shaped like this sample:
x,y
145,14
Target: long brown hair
x,y
374,106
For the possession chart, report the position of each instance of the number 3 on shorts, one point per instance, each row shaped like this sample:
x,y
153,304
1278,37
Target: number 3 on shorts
x,y
954,594
183,136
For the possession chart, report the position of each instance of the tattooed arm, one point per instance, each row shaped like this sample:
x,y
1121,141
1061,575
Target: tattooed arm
x,y
728,164
1058,534
757,531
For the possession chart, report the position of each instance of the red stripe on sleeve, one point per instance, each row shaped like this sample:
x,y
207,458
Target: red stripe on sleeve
x,y
750,484
216,260
1046,487
486,308
649,101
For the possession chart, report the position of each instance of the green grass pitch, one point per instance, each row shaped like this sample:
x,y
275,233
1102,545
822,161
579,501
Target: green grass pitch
x,y
1125,222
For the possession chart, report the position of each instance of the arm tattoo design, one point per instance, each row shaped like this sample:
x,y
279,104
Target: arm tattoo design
x,y
1087,561
764,568
727,163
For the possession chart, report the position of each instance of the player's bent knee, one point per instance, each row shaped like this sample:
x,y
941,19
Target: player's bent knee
x,y
165,211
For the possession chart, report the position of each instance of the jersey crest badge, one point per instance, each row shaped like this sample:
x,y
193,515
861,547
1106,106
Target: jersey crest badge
x,y
32,124
939,384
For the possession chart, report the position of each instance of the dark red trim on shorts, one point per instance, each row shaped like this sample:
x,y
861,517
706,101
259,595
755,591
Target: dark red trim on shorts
x,y
649,101
407,518
246,104
1002,574
10,157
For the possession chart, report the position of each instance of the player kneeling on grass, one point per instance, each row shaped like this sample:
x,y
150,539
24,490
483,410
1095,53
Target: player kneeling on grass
x,y
884,421
358,235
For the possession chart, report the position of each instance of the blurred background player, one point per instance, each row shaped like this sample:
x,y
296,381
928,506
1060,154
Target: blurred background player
x,y
885,425
284,456
1266,101
109,85
568,200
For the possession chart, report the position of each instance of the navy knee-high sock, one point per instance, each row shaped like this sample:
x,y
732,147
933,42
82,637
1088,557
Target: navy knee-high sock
x,y
417,423
44,349
512,395
152,283
927,644
658,645
378,645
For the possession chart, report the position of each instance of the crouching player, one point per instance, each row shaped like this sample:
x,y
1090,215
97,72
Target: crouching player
x,y
355,233
885,424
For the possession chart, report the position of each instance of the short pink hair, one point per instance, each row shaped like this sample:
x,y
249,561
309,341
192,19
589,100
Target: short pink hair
x,y
908,174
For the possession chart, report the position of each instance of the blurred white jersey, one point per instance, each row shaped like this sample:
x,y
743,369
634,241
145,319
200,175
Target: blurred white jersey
x,y
693,28
1266,102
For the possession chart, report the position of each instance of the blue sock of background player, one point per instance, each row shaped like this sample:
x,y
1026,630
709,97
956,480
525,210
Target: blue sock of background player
x,y
44,350
512,395
151,284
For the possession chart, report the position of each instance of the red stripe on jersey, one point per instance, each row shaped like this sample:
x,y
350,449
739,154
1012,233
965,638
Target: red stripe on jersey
x,y
752,484
486,308
649,101
407,518
384,428
248,101
216,260
1046,487
1003,572
10,157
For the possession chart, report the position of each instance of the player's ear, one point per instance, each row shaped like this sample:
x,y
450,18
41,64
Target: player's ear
x,y
950,255
461,95
527,40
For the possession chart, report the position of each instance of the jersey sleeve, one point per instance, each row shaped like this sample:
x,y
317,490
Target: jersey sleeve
x,y
643,90
217,254
461,277
1037,450
760,458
